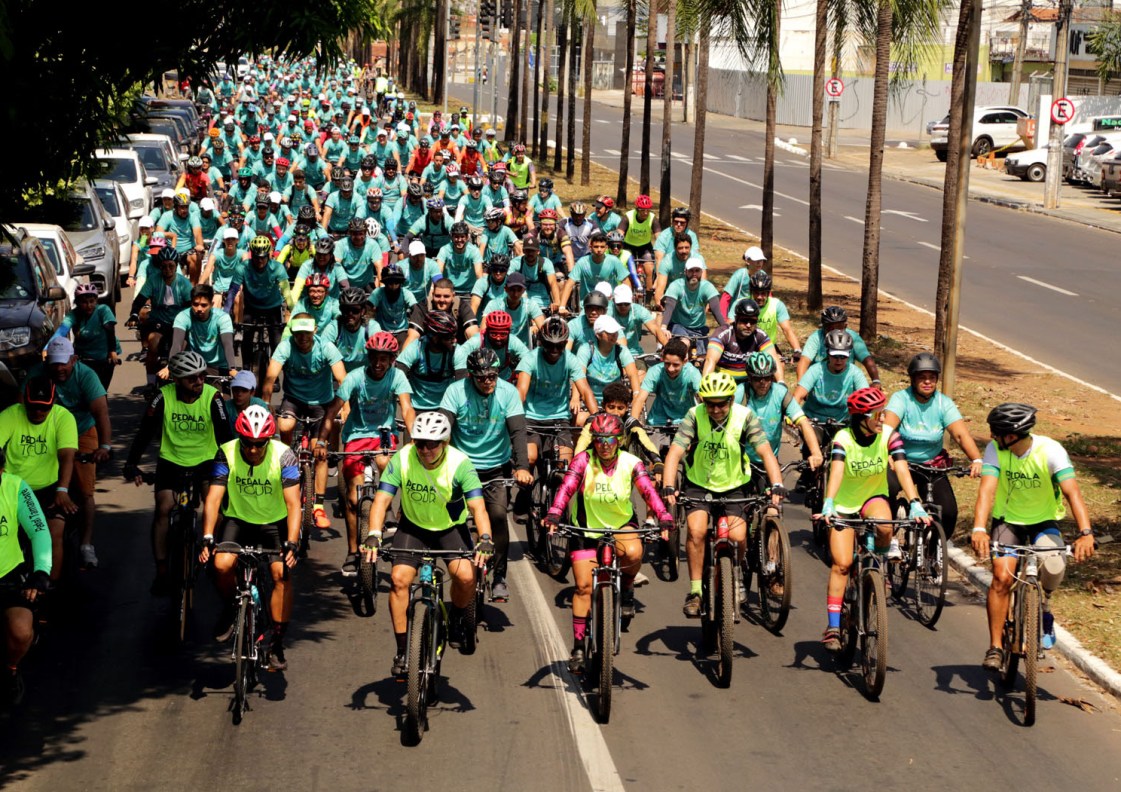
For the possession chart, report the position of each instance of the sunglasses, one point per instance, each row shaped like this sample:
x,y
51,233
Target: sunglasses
x,y
552,347
492,377
254,443
718,402
608,440
427,445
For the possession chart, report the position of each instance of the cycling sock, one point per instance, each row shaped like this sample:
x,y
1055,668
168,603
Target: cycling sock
x,y
579,628
694,587
319,498
402,641
833,605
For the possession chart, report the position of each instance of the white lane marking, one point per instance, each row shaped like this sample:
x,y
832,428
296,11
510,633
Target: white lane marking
x,y
613,152
711,157
854,219
738,158
1047,286
799,163
932,246
908,215
756,186
679,155
602,121
761,159
600,768
759,208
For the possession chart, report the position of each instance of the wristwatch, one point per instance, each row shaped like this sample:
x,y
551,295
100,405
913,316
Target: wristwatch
x,y
1087,532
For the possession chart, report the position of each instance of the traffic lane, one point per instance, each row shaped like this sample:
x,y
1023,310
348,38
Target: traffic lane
x,y
941,717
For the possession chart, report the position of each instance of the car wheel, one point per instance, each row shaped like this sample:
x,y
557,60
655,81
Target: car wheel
x,y
1035,173
942,155
982,146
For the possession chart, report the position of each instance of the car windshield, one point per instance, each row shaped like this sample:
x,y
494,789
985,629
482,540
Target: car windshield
x,y
16,284
152,157
108,197
119,169
53,253
84,218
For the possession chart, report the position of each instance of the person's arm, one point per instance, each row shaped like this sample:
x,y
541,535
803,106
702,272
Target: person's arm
x,y
99,409
1083,545
660,284
326,426
718,314
275,367
227,341
295,519
220,420
667,314
338,370
639,402
34,525
523,383
803,366
516,426
178,341
645,486
630,371
780,367
791,337
569,486
712,356
873,370
800,394
585,392
408,414
964,439
150,423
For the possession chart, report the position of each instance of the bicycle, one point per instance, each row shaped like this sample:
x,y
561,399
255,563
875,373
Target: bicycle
x,y
302,436
483,585
815,489
767,560
550,551
1023,626
923,550
864,607
252,625
256,346
719,611
427,633
666,559
367,572
182,548
605,619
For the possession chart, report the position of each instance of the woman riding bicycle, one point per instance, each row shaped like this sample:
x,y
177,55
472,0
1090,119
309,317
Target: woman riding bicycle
x,y
860,459
602,480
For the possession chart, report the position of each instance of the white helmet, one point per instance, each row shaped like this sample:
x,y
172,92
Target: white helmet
x,y
431,426
373,227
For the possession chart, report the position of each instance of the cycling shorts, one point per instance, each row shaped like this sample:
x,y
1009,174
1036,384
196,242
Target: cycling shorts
x,y
863,510
355,466
11,590
1007,533
46,497
412,537
641,252
150,326
563,437
294,408
691,490
169,476
588,543
271,536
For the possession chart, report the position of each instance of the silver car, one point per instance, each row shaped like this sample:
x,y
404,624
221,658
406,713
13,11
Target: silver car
x,y
94,233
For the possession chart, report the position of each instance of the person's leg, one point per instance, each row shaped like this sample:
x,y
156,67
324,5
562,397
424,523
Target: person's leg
x,y
57,526
497,510
19,632
945,498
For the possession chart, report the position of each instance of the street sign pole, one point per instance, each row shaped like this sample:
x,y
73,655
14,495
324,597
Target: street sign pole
x,y
1058,88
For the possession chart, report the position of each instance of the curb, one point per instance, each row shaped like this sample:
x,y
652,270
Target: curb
x,y
1066,644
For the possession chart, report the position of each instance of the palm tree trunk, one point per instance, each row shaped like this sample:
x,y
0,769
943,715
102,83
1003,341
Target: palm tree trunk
x,y
538,70
701,100
440,51
562,59
647,96
570,154
515,61
546,58
686,60
835,107
870,264
586,140
664,200
813,284
523,112
628,101
767,225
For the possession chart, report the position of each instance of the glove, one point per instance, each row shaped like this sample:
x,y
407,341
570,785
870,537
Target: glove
x,y
485,546
665,525
828,509
553,518
207,541
796,355
39,580
917,511
372,542
290,547
130,472
779,489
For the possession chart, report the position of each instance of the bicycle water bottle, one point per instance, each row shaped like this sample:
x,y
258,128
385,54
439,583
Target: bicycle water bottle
x,y
256,595
426,573
385,439
722,527
869,542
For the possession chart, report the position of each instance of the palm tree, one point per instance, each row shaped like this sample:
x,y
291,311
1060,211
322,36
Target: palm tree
x,y
813,284
664,200
440,56
628,96
647,95
512,96
546,58
562,57
589,16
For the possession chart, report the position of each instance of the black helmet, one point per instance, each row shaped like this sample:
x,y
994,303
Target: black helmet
x,y
306,214
325,246
415,190
924,361
356,226
353,296
834,313
1011,418
474,183
595,299
482,360
346,184
368,162
459,229
762,281
838,341
518,196
681,211
554,331
392,273
747,310
167,254
499,262
547,183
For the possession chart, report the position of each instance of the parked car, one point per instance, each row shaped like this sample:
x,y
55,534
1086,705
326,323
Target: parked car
x,y
60,250
185,113
32,304
243,67
1092,163
993,128
1072,144
94,233
113,199
1081,154
123,166
159,157
1111,177
1029,165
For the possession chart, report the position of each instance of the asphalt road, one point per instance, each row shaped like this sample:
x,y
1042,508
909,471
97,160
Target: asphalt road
x,y
1039,285
113,704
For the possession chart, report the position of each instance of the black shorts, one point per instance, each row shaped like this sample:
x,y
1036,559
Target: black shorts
x,y
153,326
1007,533
563,438
271,536
169,476
412,537
691,490
11,590
641,252
294,408
46,496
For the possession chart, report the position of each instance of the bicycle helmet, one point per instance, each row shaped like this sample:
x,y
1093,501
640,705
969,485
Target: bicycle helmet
x,y
866,401
481,361
474,183
517,196
435,204
716,385
606,425
431,426
194,163
643,202
382,342
834,313
554,331
86,290
838,342
318,279
374,192
615,238
494,213
747,311
1011,418
762,281
356,226
306,215
761,364
301,232
325,246
255,423
186,363
499,262
472,144
681,211
367,163
578,208
415,190
392,274
353,296
167,253
924,361
459,229
499,322
346,184
440,323
595,300
260,246
545,184
182,199
245,173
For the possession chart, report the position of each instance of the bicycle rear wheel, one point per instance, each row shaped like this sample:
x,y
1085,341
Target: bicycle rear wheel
x,y
469,625
243,663
307,495
775,574
847,652
420,649
930,576
899,570
1031,651
1010,642
874,639
725,614
605,649
367,572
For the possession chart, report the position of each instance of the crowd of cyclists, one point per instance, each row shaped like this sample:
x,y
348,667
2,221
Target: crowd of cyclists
x,y
429,307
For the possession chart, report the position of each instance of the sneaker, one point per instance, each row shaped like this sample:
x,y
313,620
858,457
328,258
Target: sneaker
x,y
15,688
322,521
455,630
741,591
831,639
499,591
626,603
89,557
1048,641
640,580
893,551
224,627
692,607
276,658
349,568
994,658
576,661
400,666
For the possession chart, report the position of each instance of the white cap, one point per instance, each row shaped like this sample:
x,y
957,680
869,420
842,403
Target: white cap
x,y
754,253
604,288
230,233
403,127
605,324
268,136
416,248
145,222
693,262
167,193
365,111
275,197
292,118
623,294
206,205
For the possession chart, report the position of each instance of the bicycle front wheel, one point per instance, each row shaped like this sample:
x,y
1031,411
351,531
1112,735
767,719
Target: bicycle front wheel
x,y
605,649
930,575
557,561
179,567
420,649
725,614
243,663
469,623
307,494
367,572
1010,641
849,632
1031,651
899,570
874,637
774,573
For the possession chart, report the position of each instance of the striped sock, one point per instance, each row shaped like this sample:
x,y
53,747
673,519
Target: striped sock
x,y
833,605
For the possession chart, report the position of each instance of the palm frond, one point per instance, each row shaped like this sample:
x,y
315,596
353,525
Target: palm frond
x,y
1104,42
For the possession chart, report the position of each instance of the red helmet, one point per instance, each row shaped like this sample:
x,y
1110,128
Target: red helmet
x,y
606,425
643,202
547,214
866,400
499,322
255,423
283,162
318,279
440,323
382,342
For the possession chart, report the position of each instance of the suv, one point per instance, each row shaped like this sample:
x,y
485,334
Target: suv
x,y
32,304
94,233
124,167
158,155
993,128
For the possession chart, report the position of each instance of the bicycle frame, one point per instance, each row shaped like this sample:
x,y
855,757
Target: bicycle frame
x,y
1026,575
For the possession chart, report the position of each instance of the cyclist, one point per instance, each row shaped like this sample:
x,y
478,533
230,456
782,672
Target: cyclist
x,y
615,248
493,286
555,244
298,252
191,419
183,227
312,369
453,190
430,362
713,439
634,319
442,487
255,491
525,315
1024,479
834,317
351,330
243,389
409,211
522,173
856,487
685,304
666,241
442,298
373,393
922,414
730,347
672,383
317,302
435,173
224,261
267,291
392,303
496,337
773,314
539,274
169,294
19,590
323,263
462,263
545,198
604,215
473,207
581,328
616,401
824,389
95,332
639,227
672,268
434,228
495,188
206,331
497,237
598,266
577,229
773,403
340,208
421,271
598,485
606,360
488,425
360,257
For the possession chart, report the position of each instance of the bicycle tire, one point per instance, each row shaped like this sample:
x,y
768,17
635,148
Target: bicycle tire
x,y
725,625
774,586
847,653
469,623
367,572
1031,651
930,579
873,655
420,648
307,517
899,570
668,568
186,584
557,560
177,571
821,536
1010,664
242,661
605,650
533,528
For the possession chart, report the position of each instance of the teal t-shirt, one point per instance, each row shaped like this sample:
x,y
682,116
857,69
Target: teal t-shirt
x,y
509,356
392,314
430,373
601,369
691,305
550,385
828,393
341,211
307,375
480,421
459,268
358,262
182,227
224,269
205,337
76,394
814,348
488,291
262,287
673,397
922,426
588,273
673,267
632,324
167,301
373,403
770,412
664,241
351,345
90,340
536,278
500,241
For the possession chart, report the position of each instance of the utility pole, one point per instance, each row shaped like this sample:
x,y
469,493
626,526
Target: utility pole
x,y
447,31
1058,89
478,67
965,148
1021,47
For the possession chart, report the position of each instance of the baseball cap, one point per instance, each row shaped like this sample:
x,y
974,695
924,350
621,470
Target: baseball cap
x,y
230,233
624,294
754,253
515,279
305,325
275,197
167,192
39,391
60,350
416,248
206,205
604,288
693,262
145,222
365,111
605,324
244,379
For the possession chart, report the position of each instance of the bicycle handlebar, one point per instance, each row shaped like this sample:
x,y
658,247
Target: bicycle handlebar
x,y
954,470
580,530
708,498
1026,550
255,551
391,552
843,523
